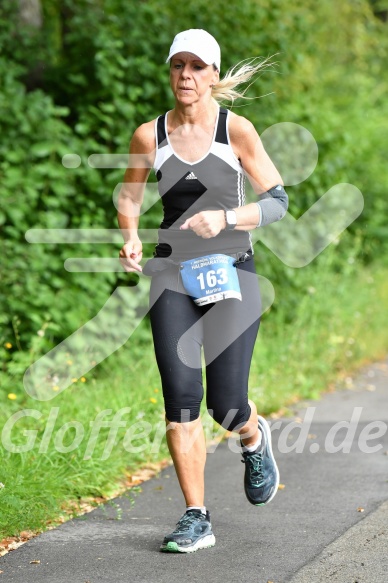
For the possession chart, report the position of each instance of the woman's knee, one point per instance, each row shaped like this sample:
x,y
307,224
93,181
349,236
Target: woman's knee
x,y
182,401
182,414
230,419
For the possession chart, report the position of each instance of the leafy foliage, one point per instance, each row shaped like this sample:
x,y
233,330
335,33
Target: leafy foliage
x,y
95,71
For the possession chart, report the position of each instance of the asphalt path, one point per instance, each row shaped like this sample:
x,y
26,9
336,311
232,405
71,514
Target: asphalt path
x,y
329,522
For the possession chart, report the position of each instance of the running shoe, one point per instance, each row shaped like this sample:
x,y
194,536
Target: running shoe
x,y
192,532
261,479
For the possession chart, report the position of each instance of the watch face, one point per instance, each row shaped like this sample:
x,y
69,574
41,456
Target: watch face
x,y
231,218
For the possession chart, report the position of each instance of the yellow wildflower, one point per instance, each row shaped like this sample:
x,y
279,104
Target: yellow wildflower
x,y
8,345
12,396
153,400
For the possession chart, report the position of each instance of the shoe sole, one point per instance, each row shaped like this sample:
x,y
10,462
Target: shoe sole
x,y
263,426
203,543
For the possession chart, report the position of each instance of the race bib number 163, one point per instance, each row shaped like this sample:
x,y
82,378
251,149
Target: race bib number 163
x,y
211,278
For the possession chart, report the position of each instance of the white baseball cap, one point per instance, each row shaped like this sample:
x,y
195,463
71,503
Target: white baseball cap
x,y
200,43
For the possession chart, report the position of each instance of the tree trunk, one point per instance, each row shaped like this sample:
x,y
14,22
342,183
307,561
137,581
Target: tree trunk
x,y
30,13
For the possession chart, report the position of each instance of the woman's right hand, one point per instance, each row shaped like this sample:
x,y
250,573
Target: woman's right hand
x,y
130,255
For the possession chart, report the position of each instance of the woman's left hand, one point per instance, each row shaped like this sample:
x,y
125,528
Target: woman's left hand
x,y
206,224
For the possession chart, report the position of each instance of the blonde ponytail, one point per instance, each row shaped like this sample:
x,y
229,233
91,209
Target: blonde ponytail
x,y
240,73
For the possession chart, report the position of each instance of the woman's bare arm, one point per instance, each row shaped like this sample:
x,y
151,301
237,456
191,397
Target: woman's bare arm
x,y
259,168
142,154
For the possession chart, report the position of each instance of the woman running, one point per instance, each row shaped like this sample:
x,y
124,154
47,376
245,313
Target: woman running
x,y
204,292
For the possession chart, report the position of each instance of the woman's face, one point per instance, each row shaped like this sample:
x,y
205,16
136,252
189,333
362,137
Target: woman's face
x,y
191,78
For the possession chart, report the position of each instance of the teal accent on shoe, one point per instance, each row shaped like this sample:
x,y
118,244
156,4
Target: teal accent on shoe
x,y
172,547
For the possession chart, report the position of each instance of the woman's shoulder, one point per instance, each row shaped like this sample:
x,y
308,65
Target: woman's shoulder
x,y
239,126
242,134
143,139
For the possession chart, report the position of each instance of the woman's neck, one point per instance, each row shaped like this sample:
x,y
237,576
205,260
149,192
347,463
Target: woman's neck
x,y
197,113
192,130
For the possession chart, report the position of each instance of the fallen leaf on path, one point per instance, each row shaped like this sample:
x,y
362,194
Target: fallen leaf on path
x,y
359,509
281,486
35,562
26,534
10,543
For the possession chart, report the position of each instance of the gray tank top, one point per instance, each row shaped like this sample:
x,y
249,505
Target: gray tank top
x,y
214,182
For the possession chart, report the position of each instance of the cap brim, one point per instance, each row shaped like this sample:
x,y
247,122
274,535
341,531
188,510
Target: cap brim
x,y
186,49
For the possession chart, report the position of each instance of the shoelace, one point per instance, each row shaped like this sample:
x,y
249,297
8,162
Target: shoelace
x,y
186,521
255,462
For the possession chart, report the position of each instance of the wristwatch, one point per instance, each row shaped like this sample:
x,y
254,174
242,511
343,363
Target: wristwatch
x,y
230,219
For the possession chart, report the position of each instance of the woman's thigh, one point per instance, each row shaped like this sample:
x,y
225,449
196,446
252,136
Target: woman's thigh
x,y
230,332
173,315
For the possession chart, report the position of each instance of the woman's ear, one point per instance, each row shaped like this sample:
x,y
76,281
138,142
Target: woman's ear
x,y
216,77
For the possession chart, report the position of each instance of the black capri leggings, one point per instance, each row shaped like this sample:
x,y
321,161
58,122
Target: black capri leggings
x,y
226,330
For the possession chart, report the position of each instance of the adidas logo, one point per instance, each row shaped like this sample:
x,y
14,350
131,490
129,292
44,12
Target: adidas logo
x,y
191,176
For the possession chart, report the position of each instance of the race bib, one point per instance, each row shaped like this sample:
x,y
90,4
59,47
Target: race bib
x,y
211,278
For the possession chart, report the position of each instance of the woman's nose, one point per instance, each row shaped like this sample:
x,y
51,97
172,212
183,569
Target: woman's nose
x,y
186,71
